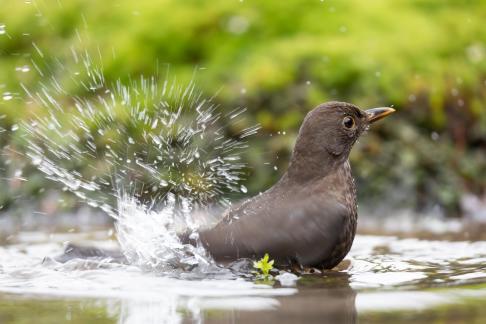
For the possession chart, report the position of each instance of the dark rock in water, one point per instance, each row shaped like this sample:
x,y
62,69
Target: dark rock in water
x,y
309,216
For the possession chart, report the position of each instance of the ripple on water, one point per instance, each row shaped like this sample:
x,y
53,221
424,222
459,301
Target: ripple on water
x,y
384,261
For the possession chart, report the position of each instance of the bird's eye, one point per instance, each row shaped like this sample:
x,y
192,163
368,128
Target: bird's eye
x,y
349,123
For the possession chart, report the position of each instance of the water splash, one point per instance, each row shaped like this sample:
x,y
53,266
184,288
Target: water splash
x,y
147,152
149,238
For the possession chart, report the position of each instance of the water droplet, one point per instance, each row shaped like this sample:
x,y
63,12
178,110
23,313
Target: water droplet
x,y
243,189
23,69
7,96
2,29
131,141
36,160
237,25
476,52
308,82
275,167
15,127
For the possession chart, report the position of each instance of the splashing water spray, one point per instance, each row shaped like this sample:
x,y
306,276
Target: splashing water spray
x,y
150,154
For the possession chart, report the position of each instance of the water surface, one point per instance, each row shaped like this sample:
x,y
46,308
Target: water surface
x,y
382,279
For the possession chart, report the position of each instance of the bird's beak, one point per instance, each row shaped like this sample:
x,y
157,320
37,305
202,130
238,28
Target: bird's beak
x,y
375,114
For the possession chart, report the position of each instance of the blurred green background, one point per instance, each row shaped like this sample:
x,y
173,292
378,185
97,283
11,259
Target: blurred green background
x,y
280,59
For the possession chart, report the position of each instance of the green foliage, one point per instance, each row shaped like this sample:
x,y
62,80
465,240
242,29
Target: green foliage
x,y
264,265
280,59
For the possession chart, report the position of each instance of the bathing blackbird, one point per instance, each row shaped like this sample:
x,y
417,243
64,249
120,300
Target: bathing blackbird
x,y
309,216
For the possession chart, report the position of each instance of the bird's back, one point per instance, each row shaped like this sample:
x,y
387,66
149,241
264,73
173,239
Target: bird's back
x,y
312,223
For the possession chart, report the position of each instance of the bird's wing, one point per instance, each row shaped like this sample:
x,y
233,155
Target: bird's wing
x,y
305,230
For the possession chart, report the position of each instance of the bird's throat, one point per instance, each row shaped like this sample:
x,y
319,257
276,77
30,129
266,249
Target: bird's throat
x,y
307,165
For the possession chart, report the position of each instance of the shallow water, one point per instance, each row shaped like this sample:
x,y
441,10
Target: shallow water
x,y
382,279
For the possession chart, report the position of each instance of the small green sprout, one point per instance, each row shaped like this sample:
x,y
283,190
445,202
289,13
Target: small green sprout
x,y
264,265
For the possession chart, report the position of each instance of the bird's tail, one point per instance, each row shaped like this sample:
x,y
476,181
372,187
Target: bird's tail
x,y
74,251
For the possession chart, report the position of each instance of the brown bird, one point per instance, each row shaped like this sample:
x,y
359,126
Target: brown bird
x,y
309,216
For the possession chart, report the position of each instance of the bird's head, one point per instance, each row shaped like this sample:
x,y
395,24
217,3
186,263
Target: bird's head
x,y
329,132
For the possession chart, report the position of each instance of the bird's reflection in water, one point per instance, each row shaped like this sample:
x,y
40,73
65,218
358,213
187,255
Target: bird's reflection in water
x,y
326,298
323,298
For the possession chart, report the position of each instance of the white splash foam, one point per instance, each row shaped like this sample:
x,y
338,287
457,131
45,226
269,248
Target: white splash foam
x,y
149,238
